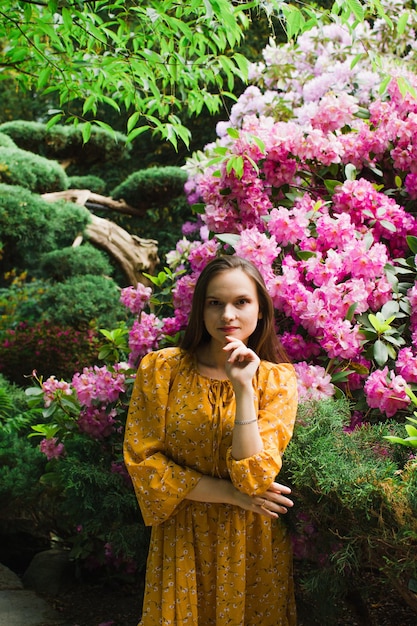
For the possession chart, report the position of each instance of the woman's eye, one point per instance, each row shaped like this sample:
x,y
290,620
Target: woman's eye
x,y
242,301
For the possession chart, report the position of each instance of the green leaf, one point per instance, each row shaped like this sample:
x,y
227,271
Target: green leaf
x,y
229,238
304,255
86,131
351,311
380,352
412,243
233,133
350,171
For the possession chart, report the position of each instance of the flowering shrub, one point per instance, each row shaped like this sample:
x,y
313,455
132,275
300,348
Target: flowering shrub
x,y
53,349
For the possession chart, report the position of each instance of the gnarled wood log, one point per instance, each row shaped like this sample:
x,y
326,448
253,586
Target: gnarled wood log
x,y
134,254
91,200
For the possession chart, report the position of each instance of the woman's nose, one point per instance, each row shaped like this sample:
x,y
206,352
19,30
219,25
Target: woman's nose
x,y
228,312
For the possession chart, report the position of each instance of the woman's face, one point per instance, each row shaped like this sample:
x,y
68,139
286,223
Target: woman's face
x,y
231,306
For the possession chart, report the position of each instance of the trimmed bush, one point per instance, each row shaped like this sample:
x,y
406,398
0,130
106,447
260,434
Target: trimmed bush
x,y
67,262
40,175
93,183
30,226
6,141
356,508
66,142
83,300
151,188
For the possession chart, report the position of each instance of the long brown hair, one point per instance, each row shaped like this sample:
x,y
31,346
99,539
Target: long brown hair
x,y
263,340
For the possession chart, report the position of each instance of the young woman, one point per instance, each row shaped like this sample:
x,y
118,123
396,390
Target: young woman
x,y
207,427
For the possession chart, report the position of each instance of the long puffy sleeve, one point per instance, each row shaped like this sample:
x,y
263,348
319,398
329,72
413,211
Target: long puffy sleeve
x,y
277,407
160,484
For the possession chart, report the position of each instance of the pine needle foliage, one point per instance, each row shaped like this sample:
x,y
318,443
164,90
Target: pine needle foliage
x,y
355,505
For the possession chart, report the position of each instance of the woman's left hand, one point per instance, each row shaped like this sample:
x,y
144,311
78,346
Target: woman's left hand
x,y
274,501
242,362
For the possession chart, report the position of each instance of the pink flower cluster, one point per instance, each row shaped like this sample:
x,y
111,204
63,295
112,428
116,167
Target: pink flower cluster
x,y
314,383
99,384
97,421
135,299
144,336
52,448
386,391
310,204
52,387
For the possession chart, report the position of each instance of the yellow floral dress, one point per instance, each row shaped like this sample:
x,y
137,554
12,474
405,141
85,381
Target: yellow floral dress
x,y
208,564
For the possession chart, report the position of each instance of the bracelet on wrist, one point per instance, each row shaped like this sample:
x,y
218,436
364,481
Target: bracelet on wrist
x,y
244,422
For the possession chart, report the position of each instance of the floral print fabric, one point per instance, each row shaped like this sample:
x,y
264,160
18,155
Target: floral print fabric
x,y
208,564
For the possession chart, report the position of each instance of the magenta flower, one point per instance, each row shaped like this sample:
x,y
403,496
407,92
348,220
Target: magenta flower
x,y
386,391
144,336
135,299
52,448
406,365
52,388
314,383
99,384
97,422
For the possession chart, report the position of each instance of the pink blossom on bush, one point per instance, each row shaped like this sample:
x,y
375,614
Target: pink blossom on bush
x,y
406,365
182,294
410,184
386,391
201,255
98,384
288,227
51,386
52,448
144,336
298,348
314,383
97,422
135,299
259,249
172,325
341,339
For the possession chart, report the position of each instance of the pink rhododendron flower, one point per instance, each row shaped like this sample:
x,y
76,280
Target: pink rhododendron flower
x,y
314,383
97,422
51,386
202,254
341,339
386,391
52,448
406,365
135,299
144,336
299,348
98,384
259,249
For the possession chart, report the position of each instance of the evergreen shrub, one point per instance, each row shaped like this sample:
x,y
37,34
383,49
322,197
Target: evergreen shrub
x,y
63,263
21,462
40,175
81,301
355,505
93,183
66,142
160,192
151,188
30,226
6,141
